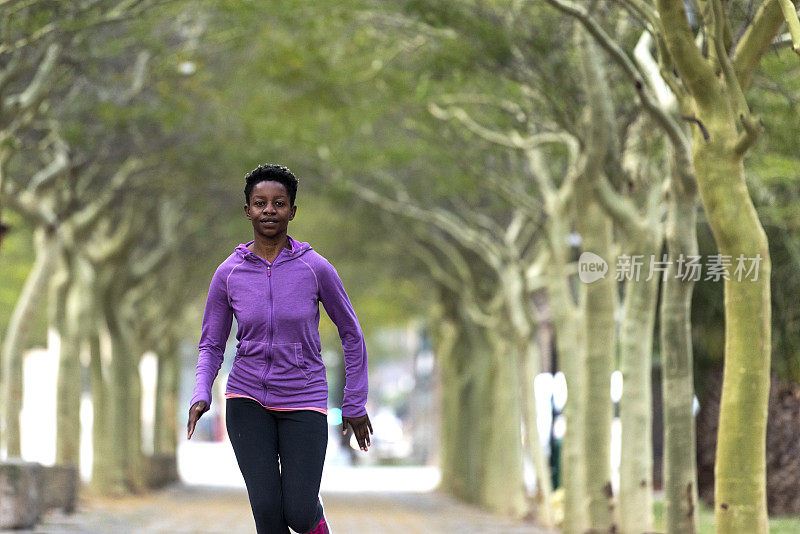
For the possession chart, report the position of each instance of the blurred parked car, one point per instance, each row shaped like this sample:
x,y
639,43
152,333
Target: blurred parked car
x,y
388,440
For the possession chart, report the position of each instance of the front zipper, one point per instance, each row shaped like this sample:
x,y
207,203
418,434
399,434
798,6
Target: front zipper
x,y
271,330
271,317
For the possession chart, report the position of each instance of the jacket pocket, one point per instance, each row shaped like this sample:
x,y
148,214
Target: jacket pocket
x,y
287,370
249,362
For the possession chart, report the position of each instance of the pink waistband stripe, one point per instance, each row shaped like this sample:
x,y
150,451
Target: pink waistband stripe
x,y
314,408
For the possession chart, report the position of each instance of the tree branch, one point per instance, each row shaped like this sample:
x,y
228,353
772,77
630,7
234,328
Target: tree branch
x,y
646,12
738,102
620,209
459,229
84,219
751,129
790,14
695,72
54,169
34,92
756,40
634,73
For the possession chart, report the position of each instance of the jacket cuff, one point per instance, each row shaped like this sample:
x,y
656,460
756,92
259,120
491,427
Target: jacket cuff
x,y
353,403
198,396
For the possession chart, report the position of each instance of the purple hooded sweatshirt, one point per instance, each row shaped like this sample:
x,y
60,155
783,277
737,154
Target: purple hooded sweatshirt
x,y
278,361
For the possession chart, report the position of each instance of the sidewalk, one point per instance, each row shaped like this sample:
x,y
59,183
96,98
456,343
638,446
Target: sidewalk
x,y
215,510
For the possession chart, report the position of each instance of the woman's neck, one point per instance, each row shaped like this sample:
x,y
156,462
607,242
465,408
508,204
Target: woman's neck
x,y
269,248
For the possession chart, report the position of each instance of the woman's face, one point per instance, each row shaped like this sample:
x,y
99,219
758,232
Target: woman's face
x,y
269,209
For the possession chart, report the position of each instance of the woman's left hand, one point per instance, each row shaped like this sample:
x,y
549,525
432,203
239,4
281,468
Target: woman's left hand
x,y
362,428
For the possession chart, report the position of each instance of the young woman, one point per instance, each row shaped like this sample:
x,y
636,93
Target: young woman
x,y
277,392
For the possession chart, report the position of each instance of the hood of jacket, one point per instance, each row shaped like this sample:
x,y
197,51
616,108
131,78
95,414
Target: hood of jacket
x,y
298,248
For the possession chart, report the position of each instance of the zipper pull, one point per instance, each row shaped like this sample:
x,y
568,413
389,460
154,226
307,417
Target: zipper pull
x,y
268,271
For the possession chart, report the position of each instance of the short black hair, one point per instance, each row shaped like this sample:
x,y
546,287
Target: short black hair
x,y
271,173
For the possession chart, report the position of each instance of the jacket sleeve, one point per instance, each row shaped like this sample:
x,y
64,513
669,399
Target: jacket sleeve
x,y
217,320
340,310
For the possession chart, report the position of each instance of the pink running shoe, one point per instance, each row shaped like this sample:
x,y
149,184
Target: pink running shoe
x,y
322,527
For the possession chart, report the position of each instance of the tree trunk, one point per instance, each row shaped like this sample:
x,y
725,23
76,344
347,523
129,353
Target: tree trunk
x,y
457,345
165,431
521,321
105,480
571,347
725,131
64,302
125,398
680,473
599,302
528,370
45,245
740,471
503,488
636,417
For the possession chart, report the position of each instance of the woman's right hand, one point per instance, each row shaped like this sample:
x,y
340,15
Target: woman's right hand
x,y
198,408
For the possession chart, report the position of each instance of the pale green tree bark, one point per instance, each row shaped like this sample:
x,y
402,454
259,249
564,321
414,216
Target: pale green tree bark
x,y
555,277
103,476
666,101
641,231
600,304
461,321
501,457
45,245
568,319
642,236
680,471
725,130
461,387
119,276
64,313
165,427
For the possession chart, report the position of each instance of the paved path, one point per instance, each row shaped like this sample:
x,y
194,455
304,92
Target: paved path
x,y
210,510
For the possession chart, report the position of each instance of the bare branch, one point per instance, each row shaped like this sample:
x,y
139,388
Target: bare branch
x,y
462,116
511,107
33,94
28,206
738,102
646,13
621,209
636,75
751,129
11,72
57,166
535,274
695,72
790,14
84,219
459,229
756,40
112,248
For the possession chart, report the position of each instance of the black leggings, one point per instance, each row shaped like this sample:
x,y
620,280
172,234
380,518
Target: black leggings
x,y
289,497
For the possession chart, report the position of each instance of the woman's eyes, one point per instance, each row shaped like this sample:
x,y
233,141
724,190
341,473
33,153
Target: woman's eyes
x,y
261,203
